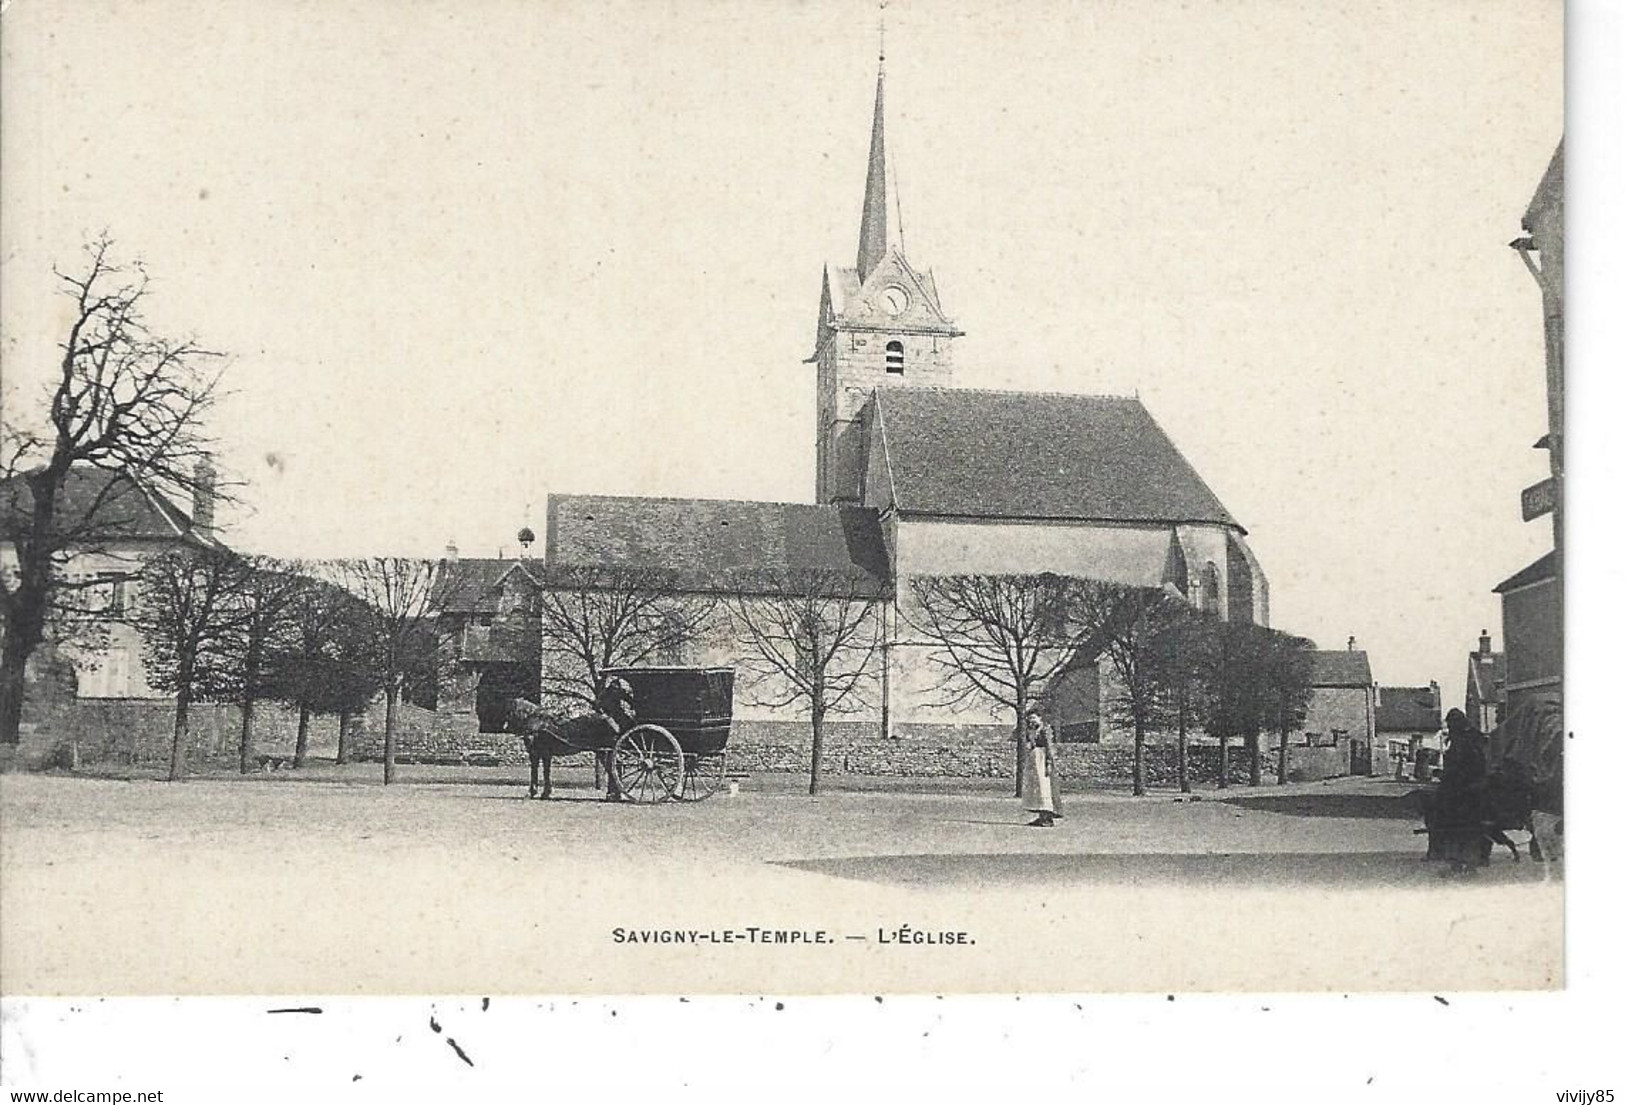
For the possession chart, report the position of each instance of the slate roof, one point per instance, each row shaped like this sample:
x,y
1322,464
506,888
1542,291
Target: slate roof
x,y
469,585
711,543
1549,192
1026,455
1544,568
126,512
1407,710
1340,668
1487,672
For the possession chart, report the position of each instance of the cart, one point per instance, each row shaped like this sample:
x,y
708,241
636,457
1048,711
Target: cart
x,y
679,746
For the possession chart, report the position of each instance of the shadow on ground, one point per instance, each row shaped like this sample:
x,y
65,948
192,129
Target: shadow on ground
x,y
1328,870
1395,807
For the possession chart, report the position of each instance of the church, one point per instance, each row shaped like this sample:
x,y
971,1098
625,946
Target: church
x,y
920,473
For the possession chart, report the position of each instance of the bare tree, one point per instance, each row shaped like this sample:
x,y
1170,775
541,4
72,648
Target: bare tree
x,y
1181,654
398,632
190,621
1235,682
263,607
812,637
125,402
591,619
1126,624
997,638
1288,686
321,666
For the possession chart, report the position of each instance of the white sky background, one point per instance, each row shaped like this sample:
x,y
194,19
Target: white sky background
x,y
465,255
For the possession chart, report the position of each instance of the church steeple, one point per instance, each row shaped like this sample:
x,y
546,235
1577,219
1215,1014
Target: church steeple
x,y
872,240
880,324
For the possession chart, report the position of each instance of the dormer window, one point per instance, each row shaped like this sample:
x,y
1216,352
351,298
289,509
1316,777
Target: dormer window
x,y
894,358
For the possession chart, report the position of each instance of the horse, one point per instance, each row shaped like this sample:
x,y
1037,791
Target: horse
x,y
547,734
1464,827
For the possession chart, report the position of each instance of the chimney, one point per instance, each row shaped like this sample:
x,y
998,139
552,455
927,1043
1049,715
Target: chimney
x,y
451,550
1484,642
203,496
1351,644
1433,693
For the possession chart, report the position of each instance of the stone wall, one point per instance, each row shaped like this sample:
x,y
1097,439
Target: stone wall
x,y
65,732
850,748
855,748
428,736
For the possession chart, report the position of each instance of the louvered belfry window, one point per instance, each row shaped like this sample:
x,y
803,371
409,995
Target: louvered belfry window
x,y
894,358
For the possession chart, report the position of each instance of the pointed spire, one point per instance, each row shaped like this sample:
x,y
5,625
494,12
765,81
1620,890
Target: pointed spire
x,y
872,239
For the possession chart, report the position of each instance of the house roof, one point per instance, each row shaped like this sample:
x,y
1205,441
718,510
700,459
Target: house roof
x,y
107,506
1486,674
1011,454
469,585
1544,568
1549,192
1340,668
1407,709
715,543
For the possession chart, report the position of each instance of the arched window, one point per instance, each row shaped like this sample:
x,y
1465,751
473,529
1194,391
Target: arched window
x,y
894,358
1210,588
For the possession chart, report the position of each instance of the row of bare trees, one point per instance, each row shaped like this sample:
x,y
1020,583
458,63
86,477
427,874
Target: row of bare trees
x,y
328,638
319,638
1002,639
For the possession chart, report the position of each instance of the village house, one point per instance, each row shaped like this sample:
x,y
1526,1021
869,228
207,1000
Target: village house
x,y
1532,599
1339,730
87,689
133,523
1408,724
1486,699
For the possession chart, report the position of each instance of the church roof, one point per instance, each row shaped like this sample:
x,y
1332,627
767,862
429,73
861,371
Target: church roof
x,y
1011,454
872,237
1340,668
712,544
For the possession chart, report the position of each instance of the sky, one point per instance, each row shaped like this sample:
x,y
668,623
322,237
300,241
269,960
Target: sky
x,y
462,256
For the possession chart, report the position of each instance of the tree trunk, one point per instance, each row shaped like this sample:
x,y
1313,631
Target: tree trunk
x,y
1255,765
1224,762
1184,762
392,697
177,749
1139,758
817,747
345,721
13,667
245,745
1280,768
301,744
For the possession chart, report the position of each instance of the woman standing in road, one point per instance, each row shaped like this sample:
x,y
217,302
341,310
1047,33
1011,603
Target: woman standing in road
x,y
1040,784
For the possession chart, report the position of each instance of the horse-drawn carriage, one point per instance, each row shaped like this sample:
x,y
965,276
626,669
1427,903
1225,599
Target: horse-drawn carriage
x,y
658,732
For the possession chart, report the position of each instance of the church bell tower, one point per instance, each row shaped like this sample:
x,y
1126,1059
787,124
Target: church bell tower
x,y
880,324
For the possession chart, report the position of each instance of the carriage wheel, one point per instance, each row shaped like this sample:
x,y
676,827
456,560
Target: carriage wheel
x,y
648,764
703,775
